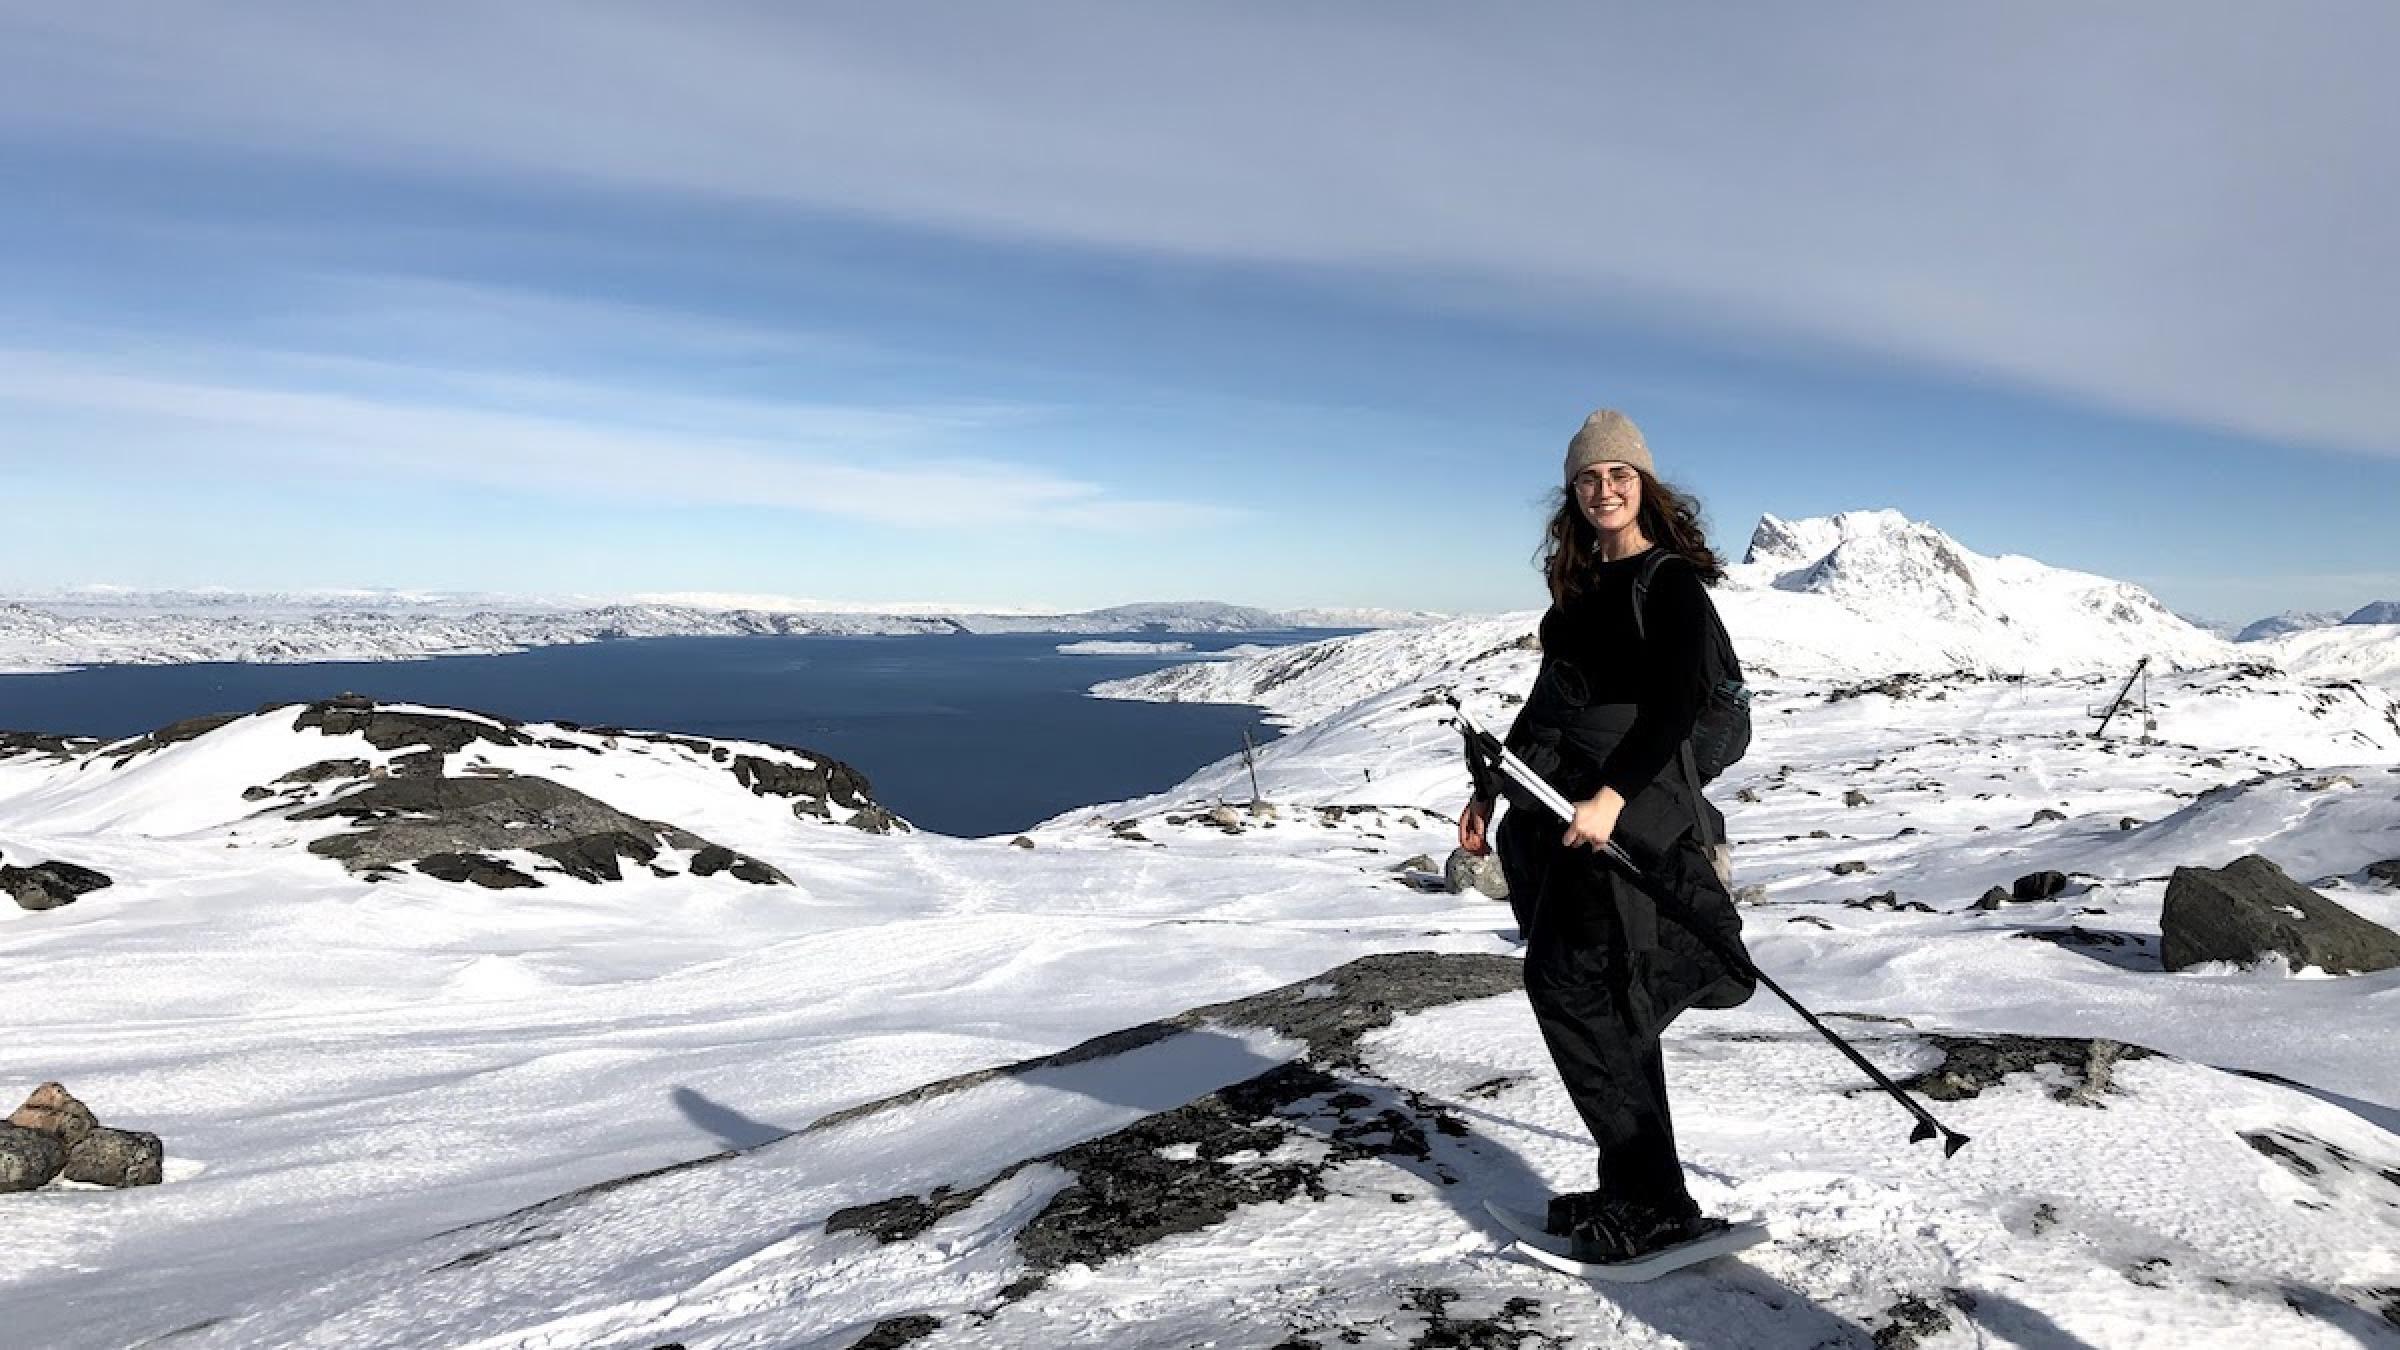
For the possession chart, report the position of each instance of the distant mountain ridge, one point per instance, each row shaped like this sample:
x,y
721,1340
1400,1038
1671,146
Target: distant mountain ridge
x,y
175,627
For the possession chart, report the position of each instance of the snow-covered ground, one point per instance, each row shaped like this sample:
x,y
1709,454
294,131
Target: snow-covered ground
x,y
359,1080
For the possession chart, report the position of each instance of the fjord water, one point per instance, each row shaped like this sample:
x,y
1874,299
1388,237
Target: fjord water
x,y
964,734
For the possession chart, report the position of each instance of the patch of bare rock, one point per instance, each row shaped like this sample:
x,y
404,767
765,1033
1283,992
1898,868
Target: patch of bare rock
x,y
54,1135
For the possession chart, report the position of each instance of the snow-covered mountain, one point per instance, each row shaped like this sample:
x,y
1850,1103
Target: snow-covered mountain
x,y
2290,621
1868,592
160,628
2382,612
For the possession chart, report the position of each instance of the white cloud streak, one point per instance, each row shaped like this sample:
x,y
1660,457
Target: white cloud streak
x,y
886,466
2179,209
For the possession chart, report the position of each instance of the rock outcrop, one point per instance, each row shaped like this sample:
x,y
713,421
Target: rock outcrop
x,y
432,824
2247,909
47,885
53,1134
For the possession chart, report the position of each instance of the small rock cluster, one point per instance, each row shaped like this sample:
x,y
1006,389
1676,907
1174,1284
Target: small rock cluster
x,y
54,1135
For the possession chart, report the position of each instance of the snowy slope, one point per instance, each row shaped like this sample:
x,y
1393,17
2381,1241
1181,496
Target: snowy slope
x,y
2353,651
346,1070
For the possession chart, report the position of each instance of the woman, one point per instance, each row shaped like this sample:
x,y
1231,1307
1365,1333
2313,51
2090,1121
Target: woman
x,y
1606,722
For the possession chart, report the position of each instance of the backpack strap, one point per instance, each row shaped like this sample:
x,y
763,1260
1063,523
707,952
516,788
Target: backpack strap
x,y
1683,751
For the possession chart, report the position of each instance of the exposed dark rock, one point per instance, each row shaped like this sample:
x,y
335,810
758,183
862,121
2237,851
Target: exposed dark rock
x,y
2387,871
55,1111
1462,871
2248,908
2045,816
256,794
14,743
417,764
1854,797
403,821
481,869
111,1157
47,885
595,857
2127,823
1020,841
716,858
1908,1322
829,780
894,1220
1993,899
2076,935
1972,1063
1418,863
2038,886
893,1332
324,769
1843,869
437,732
875,820
29,1158
1888,900
1506,1330
2293,1150
190,728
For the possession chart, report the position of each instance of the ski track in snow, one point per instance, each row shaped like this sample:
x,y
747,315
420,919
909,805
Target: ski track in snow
x,y
353,1080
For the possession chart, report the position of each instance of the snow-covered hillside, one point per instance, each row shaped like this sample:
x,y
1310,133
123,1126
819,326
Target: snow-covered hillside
x,y
408,1111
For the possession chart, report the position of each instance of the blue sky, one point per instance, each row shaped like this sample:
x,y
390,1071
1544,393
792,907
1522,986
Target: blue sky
x,y
1081,304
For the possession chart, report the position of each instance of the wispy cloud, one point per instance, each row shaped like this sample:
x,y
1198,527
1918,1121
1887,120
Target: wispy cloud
x,y
2175,209
563,440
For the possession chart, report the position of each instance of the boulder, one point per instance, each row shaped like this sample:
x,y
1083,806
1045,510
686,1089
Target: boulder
x,y
874,820
1225,817
717,858
480,868
29,1158
1020,842
109,1157
1463,870
2046,815
48,885
1843,869
1420,863
2248,908
1993,899
54,1111
324,769
1854,797
2038,886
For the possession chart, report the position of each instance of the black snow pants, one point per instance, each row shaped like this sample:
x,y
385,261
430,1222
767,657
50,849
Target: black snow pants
x,y
1606,972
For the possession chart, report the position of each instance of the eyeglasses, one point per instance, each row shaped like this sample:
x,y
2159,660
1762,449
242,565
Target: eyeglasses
x,y
1622,478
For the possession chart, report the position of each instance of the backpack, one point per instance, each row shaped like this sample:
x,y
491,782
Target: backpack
x,y
1721,733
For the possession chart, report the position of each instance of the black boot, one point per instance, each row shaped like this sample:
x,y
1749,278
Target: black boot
x,y
1610,1232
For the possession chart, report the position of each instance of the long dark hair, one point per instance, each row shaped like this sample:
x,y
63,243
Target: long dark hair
x,y
1669,519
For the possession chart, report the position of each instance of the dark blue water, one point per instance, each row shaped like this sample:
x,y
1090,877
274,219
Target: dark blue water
x,y
966,735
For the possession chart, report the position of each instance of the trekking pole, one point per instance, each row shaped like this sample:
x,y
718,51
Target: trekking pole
x,y
1487,750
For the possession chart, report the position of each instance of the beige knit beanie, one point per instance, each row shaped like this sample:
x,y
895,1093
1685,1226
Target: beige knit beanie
x,y
1608,435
